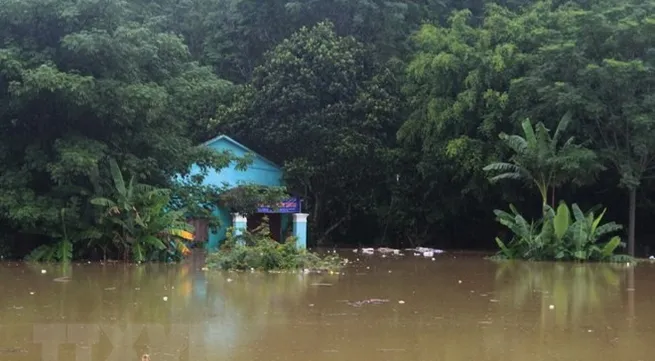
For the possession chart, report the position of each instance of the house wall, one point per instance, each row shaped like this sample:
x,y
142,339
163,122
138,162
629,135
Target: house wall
x,y
260,172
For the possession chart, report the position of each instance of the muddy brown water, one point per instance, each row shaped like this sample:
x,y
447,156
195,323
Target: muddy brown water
x,y
455,308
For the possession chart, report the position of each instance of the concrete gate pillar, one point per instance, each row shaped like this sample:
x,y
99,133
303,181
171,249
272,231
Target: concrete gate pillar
x,y
300,229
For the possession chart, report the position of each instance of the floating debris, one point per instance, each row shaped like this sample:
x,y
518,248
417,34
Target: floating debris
x,y
62,279
401,302
43,271
552,307
425,249
370,301
321,284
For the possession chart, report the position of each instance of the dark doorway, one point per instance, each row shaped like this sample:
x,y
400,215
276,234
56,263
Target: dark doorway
x,y
274,222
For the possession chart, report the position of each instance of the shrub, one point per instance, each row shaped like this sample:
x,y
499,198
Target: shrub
x,y
258,250
565,234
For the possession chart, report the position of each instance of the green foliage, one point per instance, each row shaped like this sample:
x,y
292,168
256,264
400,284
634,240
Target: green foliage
x,y
196,199
383,113
245,199
559,235
540,159
137,218
64,242
259,251
83,81
320,105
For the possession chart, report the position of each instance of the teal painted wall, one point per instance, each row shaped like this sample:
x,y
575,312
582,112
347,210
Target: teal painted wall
x,y
260,172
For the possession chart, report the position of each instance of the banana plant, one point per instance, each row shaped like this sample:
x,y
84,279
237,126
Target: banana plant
x,y
531,239
545,161
585,233
137,216
62,249
562,234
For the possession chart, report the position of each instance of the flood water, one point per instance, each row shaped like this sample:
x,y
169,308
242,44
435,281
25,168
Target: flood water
x,y
454,308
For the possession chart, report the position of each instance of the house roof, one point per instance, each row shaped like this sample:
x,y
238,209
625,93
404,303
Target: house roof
x,y
239,145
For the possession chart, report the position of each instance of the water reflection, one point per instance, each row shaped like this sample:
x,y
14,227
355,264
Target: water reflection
x,y
138,306
566,290
454,308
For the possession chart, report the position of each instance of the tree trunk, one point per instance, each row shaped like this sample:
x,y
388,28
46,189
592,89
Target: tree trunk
x,y
552,199
327,232
631,221
316,208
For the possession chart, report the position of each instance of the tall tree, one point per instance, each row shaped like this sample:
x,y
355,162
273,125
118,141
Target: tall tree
x,y
602,70
83,81
321,107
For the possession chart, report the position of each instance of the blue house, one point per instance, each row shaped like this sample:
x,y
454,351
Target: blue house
x,y
284,220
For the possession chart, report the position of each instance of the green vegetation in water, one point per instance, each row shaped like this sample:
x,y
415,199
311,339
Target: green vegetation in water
x,y
133,220
546,162
561,235
258,250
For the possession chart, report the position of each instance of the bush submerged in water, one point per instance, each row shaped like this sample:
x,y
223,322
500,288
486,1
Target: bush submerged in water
x,y
258,250
565,234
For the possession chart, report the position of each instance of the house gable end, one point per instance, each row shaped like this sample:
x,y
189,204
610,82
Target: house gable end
x,y
223,142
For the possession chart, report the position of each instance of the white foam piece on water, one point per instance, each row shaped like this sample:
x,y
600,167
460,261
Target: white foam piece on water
x,y
426,249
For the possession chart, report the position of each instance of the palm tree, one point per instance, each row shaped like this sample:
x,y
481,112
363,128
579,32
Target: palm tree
x,y
539,159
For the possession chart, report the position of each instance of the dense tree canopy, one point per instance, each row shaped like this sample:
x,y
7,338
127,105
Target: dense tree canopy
x,y
320,105
384,114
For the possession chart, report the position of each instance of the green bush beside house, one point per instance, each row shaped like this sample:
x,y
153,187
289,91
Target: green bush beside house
x,y
257,250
